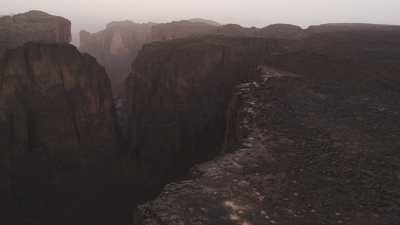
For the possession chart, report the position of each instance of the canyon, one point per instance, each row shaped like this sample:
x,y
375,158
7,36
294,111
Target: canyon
x,y
117,46
194,122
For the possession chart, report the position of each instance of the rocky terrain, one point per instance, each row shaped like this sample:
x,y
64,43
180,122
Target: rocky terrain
x,y
318,144
33,26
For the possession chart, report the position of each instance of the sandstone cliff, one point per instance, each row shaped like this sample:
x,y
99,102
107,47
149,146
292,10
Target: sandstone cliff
x,y
34,26
58,133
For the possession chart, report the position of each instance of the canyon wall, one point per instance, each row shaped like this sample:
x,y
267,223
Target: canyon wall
x,y
179,92
58,133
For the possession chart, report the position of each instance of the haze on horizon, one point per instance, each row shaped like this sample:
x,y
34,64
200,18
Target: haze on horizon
x,y
92,15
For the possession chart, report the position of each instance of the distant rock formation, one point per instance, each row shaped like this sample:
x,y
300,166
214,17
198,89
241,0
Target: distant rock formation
x,y
340,27
116,46
57,129
282,31
33,26
180,29
274,31
209,22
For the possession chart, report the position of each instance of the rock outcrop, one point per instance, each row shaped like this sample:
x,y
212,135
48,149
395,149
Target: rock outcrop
x,y
318,144
58,134
33,26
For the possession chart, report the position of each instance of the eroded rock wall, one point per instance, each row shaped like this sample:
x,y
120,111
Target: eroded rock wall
x,y
58,135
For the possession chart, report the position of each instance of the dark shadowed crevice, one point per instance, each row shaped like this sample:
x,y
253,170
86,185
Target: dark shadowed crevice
x,y
72,108
29,113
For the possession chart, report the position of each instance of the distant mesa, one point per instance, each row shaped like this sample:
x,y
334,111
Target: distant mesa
x,y
338,27
209,22
35,26
283,31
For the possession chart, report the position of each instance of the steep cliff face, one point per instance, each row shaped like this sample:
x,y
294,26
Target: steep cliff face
x,y
55,98
34,26
317,147
58,132
178,97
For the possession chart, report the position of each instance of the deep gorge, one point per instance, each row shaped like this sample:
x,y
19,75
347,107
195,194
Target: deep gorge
x,y
214,124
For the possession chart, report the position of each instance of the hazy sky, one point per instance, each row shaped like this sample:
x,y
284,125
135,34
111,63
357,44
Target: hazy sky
x,y
94,14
